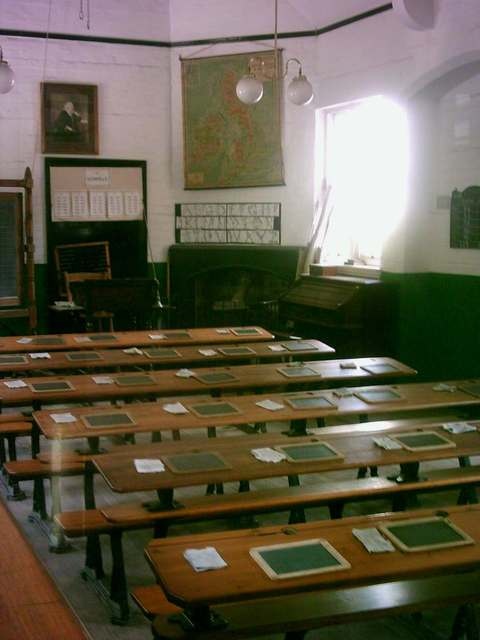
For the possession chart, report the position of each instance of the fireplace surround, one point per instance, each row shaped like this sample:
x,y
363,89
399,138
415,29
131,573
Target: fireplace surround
x,y
216,284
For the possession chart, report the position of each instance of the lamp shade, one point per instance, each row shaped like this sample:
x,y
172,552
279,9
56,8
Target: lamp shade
x,y
300,91
7,77
249,90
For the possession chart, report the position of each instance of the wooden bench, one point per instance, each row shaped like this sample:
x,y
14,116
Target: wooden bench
x,y
297,614
12,426
38,471
334,495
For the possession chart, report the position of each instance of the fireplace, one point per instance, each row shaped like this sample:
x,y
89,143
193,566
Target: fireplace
x,y
215,285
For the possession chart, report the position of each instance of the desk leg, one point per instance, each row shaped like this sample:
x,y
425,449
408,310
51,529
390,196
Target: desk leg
x,y
467,495
213,488
199,619
297,428
14,491
296,515
465,624
93,551
118,581
362,472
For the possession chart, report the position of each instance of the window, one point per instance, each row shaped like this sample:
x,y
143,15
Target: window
x,y
364,148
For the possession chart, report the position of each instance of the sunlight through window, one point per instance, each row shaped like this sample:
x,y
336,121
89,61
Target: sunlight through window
x,y
365,162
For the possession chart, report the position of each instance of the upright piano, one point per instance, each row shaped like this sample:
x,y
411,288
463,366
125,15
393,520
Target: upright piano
x,y
352,314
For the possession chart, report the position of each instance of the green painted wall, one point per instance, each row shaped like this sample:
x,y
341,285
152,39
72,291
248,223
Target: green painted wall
x,y
438,323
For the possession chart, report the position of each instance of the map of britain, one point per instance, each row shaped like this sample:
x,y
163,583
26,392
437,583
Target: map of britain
x,y
227,143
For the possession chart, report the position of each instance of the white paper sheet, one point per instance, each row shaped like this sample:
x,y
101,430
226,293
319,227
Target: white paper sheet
x,y
372,540
40,355
61,418
175,407
206,559
267,454
149,465
271,405
15,384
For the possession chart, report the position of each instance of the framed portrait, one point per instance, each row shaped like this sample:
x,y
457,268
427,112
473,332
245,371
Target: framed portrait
x,y
69,118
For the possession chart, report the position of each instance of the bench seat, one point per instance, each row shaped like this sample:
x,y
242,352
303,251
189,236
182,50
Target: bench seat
x,y
299,613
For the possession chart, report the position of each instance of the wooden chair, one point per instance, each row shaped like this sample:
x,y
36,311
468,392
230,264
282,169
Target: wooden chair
x,y
99,316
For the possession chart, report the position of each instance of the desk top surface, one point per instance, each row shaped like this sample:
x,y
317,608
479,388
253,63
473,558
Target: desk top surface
x,y
79,388
148,416
243,579
357,448
177,356
150,338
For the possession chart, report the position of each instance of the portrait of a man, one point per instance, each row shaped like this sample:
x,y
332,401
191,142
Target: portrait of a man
x,y
69,118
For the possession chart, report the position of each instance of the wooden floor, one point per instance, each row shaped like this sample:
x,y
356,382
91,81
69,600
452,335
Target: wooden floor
x,y
65,568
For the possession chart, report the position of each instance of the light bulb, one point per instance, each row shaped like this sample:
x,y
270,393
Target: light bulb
x,y
7,77
300,91
249,89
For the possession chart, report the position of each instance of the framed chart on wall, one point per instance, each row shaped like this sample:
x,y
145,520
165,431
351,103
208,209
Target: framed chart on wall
x,y
93,201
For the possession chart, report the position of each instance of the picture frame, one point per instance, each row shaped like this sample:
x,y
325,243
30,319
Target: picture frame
x,y
69,118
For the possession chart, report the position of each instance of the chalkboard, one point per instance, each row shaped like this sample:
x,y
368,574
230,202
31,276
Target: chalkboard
x,y
473,389
423,440
297,372
195,462
134,380
373,396
245,331
299,345
212,409
11,249
215,377
465,219
48,340
177,335
45,387
12,358
83,356
423,534
161,353
310,402
378,369
298,559
309,451
98,420
237,351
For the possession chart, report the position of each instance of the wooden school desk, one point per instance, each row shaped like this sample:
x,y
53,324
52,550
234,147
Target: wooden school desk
x,y
151,384
150,338
238,463
159,356
152,417
243,579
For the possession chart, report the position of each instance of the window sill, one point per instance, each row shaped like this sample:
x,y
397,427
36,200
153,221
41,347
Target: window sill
x,y
355,271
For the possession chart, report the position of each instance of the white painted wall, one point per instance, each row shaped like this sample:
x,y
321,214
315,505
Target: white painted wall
x,y
133,97
140,100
